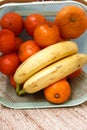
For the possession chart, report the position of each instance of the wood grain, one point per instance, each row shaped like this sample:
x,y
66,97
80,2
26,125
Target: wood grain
x,y
44,119
9,1
82,1
16,1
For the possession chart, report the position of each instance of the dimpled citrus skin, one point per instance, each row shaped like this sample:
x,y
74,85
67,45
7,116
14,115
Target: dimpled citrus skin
x,y
12,21
71,21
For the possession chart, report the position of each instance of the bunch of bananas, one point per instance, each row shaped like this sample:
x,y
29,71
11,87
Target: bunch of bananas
x,y
49,65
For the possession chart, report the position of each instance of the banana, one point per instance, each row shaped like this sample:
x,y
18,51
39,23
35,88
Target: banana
x,y
54,72
43,58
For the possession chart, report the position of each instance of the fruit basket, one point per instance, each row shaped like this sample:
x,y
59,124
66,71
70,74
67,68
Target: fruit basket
x,y
8,96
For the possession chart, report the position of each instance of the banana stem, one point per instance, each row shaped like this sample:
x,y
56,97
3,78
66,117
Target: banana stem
x,y
18,88
19,91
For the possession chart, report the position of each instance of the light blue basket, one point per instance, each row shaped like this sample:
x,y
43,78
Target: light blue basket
x,y
8,96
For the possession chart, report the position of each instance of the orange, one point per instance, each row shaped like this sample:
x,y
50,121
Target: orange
x,y
13,22
32,21
7,41
27,49
18,42
58,92
9,63
47,34
12,82
71,21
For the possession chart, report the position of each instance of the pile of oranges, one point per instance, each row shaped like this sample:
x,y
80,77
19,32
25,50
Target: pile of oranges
x,y
69,22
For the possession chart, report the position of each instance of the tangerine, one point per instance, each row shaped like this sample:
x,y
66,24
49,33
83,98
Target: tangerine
x,y
71,21
13,22
58,92
9,63
47,34
7,41
32,21
27,49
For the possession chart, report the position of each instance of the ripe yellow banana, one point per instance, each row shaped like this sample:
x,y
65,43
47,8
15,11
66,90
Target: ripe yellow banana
x,y
43,58
54,72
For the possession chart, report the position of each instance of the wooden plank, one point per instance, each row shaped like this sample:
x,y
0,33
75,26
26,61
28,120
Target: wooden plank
x,y
74,118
